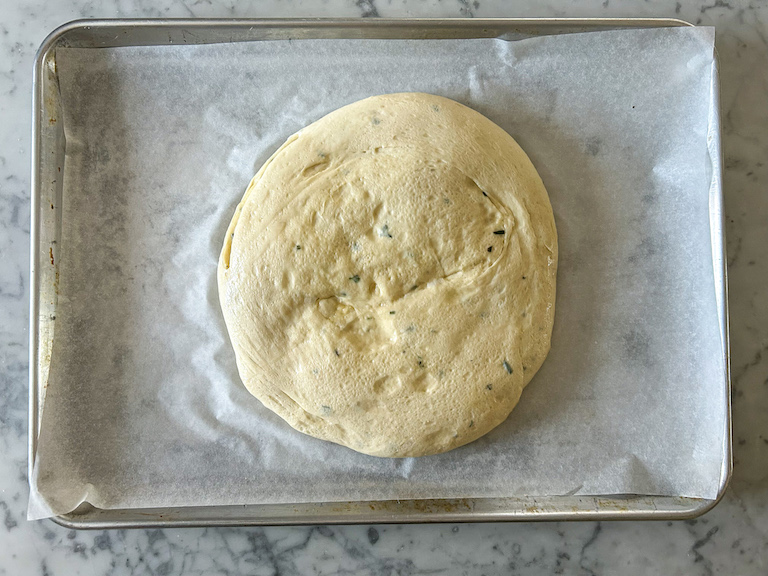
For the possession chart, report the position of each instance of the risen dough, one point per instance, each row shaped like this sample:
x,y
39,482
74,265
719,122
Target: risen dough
x,y
388,280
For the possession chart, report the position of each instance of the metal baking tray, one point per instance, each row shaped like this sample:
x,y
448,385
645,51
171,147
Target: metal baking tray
x,y
48,150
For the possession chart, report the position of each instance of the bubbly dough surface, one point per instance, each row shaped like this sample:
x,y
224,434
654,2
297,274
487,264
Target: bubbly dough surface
x,y
388,279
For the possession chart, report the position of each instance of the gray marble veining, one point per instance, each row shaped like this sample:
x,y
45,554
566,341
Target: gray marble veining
x,y
732,539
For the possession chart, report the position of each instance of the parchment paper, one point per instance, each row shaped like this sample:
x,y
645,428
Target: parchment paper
x,y
144,405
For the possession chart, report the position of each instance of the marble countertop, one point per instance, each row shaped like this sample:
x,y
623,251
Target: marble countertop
x,y
731,539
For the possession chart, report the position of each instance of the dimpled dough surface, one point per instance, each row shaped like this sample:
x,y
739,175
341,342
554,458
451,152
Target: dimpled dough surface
x,y
388,279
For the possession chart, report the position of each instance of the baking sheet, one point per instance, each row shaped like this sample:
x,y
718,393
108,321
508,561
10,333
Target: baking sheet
x,y
144,407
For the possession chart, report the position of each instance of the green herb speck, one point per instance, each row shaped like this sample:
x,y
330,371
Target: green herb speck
x,y
507,367
499,232
484,194
355,278
336,351
435,107
375,121
489,387
471,423
391,311
490,248
384,232
298,246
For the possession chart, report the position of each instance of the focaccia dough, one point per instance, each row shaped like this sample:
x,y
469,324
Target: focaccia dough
x,y
388,279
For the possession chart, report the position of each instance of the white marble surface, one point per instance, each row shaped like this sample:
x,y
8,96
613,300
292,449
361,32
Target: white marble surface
x,y
732,539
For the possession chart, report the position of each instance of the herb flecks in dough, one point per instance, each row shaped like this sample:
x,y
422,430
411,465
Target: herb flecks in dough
x,y
507,367
330,349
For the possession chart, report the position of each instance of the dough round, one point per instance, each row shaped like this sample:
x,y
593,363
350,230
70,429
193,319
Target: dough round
x,y
388,279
